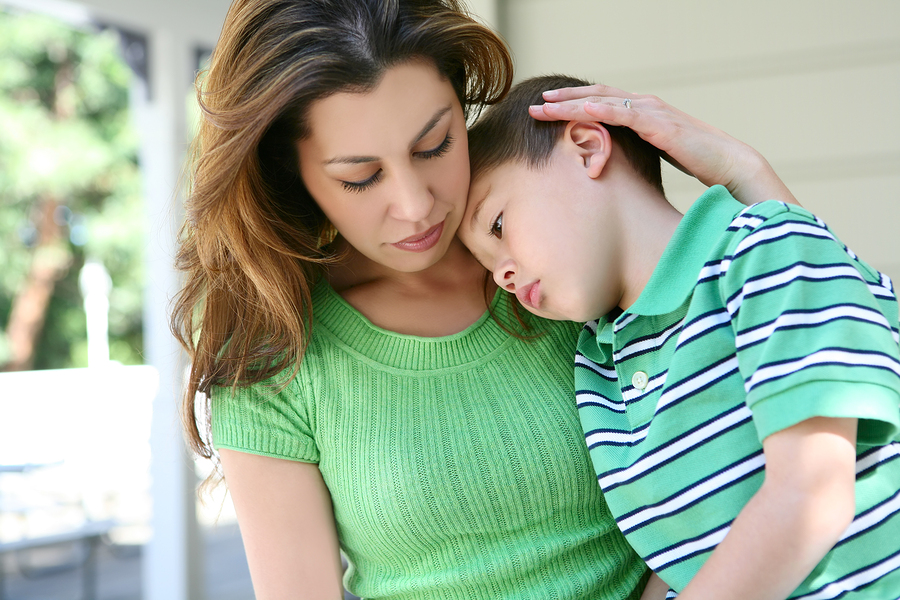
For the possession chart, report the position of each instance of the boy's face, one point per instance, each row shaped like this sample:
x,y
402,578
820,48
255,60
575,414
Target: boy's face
x,y
544,236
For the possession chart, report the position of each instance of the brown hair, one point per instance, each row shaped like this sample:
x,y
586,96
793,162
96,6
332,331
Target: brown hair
x,y
252,245
506,132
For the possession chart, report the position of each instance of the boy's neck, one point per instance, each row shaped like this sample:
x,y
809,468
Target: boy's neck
x,y
648,223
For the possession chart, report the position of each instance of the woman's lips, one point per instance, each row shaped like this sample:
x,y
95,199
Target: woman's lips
x,y
421,242
530,295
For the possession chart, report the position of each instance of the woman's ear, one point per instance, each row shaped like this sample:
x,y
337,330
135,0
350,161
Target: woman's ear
x,y
592,143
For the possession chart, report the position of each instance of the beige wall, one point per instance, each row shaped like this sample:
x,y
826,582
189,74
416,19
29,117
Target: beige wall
x,y
813,84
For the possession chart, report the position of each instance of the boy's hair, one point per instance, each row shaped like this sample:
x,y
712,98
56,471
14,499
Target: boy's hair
x,y
506,132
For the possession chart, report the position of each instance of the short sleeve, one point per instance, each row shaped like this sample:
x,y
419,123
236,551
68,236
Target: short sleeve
x,y
815,328
264,419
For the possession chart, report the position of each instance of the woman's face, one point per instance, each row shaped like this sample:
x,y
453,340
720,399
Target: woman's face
x,y
390,167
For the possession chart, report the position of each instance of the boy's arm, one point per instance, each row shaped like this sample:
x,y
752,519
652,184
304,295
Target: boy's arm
x,y
656,589
804,505
695,147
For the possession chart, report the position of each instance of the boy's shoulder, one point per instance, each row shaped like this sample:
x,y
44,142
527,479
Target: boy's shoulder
x,y
774,227
769,213
771,244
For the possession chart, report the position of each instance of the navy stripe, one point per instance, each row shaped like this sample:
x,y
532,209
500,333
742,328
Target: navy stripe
x,y
618,431
699,336
781,238
675,457
883,521
663,337
868,470
684,543
690,487
825,363
700,389
790,281
850,576
594,371
843,317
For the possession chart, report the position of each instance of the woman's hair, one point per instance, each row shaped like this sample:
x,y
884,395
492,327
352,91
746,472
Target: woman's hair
x,y
506,132
254,242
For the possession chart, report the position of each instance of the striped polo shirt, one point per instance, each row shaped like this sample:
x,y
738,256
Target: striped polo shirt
x,y
754,320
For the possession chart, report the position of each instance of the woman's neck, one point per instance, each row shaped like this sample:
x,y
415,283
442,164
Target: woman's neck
x,y
441,300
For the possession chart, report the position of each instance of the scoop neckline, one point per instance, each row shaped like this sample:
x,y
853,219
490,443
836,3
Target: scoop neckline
x,y
344,325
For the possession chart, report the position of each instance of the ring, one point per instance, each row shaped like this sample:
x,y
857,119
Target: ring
x,y
627,102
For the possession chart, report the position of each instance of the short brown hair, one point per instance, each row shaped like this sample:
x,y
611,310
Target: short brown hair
x,y
506,132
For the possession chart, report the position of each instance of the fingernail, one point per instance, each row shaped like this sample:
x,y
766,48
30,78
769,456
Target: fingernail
x,y
551,94
535,108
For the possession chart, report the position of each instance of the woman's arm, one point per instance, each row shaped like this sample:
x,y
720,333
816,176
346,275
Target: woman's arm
x,y
287,522
695,147
805,504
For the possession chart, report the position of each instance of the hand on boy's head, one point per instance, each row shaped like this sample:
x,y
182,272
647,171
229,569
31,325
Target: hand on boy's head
x,y
568,104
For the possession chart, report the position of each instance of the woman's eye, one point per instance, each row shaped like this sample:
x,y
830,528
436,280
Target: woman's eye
x,y
361,186
441,150
497,227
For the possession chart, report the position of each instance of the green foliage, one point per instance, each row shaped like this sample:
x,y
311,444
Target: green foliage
x,y
65,133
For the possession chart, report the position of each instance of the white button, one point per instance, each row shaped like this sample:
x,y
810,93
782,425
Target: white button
x,y
640,380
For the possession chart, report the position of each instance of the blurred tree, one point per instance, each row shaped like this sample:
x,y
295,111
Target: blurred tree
x,y
69,190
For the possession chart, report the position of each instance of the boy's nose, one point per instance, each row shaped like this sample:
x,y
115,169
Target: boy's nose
x,y
504,274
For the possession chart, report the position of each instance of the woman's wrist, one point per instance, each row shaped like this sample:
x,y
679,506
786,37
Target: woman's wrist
x,y
752,179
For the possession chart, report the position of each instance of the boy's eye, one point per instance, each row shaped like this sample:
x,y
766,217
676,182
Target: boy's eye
x,y
497,227
441,150
361,186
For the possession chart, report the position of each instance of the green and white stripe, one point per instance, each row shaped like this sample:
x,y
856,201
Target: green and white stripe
x,y
754,320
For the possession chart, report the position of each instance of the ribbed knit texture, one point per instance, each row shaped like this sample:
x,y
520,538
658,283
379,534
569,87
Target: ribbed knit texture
x,y
456,465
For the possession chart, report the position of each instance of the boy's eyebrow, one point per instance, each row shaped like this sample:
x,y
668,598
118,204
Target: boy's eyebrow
x,y
478,206
355,160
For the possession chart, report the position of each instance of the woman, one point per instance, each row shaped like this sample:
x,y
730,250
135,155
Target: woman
x,y
361,396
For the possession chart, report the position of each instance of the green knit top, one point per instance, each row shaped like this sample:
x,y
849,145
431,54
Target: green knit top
x,y
456,465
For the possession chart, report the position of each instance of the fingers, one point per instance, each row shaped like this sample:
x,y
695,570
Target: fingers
x,y
575,93
611,111
561,111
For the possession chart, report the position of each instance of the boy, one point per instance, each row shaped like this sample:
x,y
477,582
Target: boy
x,y
739,373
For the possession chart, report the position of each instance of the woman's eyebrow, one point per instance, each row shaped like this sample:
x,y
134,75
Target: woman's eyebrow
x,y
355,160
430,125
350,160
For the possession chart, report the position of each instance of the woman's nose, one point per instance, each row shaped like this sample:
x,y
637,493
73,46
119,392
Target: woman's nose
x,y
412,200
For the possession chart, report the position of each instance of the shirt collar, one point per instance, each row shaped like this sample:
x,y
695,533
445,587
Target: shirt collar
x,y
676,273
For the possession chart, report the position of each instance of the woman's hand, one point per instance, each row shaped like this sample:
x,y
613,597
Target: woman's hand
x,y
695,147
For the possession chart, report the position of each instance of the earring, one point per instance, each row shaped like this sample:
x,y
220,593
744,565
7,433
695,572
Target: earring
x,y
326,235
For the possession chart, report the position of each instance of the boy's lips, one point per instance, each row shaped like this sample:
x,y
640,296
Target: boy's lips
x,y
530,295
421,242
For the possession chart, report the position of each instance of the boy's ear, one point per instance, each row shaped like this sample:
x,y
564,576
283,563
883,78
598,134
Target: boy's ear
x,y
592,143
